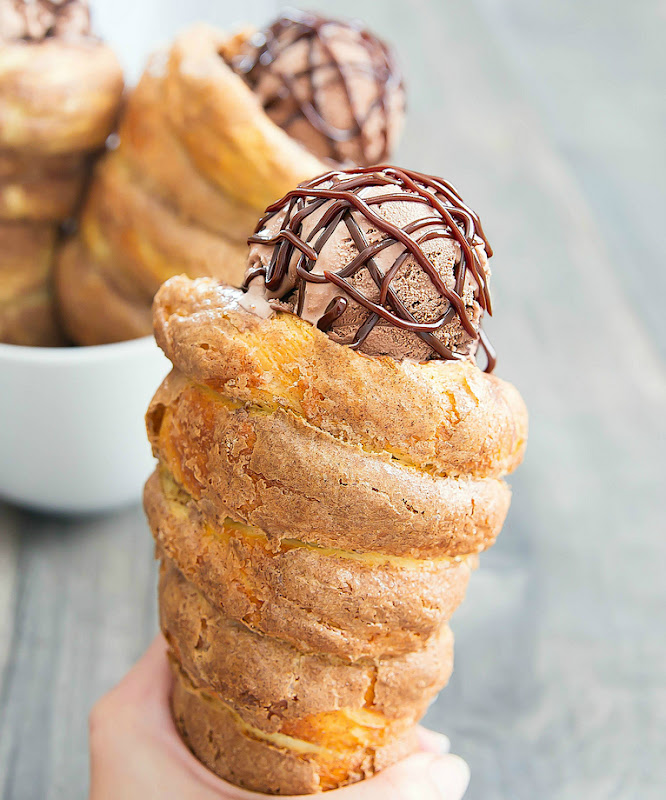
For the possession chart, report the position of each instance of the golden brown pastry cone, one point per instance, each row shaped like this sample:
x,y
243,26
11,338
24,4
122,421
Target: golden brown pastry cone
x,y
18,164
401,509
129,242
317,513
147,240
452,420
337,751
26,252
31,321
59,98
197,162
235,661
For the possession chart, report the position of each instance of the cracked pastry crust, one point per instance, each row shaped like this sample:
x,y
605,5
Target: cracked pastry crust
x,y
198,161
445,418
320,600
58,103
269,680
321,721
250,464
280,763
317,513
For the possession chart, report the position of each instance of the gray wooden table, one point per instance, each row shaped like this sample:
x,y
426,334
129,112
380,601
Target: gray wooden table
x,y
550,118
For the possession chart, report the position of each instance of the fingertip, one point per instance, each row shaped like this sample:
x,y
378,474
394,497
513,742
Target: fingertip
x,y
409,779
156,652
150,676
451,775
433,741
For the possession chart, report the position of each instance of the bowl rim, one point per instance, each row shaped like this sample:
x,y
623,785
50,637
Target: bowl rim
x,y
19,353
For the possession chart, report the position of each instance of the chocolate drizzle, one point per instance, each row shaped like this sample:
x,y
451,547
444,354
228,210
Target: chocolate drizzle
x,y
319,34
338,194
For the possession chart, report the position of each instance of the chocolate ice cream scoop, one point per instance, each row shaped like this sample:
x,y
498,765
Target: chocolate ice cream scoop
x,y
331,85
385,260
34,20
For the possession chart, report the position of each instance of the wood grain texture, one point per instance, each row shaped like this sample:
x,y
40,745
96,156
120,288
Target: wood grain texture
x,y
549,118
84,609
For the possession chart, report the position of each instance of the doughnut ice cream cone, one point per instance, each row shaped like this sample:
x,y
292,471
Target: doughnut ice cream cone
x,y
331,462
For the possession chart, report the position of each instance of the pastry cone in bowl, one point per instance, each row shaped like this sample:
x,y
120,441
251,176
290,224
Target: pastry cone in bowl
x,y
59,94
331,462
204,146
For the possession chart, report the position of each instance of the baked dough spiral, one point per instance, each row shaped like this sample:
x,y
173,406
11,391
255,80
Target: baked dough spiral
x,y
317,514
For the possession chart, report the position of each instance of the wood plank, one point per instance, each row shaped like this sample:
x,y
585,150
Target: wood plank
x,y
85,609
594,71
8,578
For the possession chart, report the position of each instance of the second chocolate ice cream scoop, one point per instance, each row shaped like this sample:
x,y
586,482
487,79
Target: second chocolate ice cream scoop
x,y
332,85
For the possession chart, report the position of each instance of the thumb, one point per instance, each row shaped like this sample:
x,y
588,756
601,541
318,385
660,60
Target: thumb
x,y
423,776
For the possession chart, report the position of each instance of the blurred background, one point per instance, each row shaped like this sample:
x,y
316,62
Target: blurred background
x,y
549,117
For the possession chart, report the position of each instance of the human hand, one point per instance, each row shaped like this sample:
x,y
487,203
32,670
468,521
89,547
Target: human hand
x,y
137,754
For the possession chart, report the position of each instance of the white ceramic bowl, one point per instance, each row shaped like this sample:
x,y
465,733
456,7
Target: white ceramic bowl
x,y
72,436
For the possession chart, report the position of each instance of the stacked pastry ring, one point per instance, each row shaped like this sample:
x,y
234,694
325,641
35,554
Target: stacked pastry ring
x,y
58,103
315,537
198,160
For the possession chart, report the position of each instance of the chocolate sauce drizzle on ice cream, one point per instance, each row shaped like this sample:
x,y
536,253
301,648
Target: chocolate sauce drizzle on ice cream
x,y
332,85
385,260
